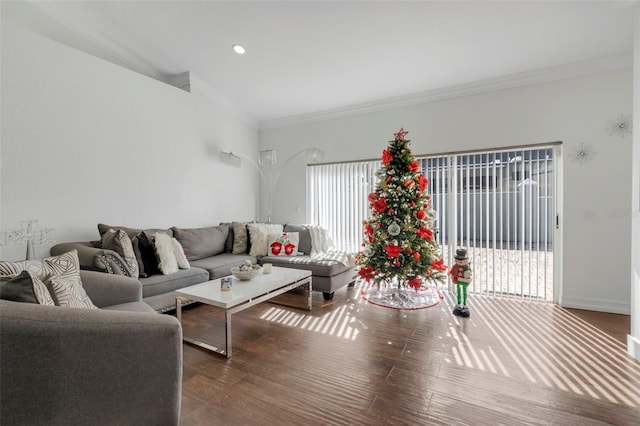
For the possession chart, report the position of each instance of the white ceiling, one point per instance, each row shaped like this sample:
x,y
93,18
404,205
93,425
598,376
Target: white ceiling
x,y
307,57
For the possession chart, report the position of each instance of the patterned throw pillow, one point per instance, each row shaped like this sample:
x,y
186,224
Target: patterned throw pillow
x,y
64,268
69,293
119,241
25,287
259,235
284,244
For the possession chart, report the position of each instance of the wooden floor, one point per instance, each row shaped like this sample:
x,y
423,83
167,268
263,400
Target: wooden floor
x,y
349,362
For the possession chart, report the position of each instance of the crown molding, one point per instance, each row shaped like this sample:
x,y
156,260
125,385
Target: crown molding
x,y
543,75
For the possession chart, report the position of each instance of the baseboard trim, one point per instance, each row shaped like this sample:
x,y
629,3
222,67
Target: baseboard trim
x,y
633,347
600,305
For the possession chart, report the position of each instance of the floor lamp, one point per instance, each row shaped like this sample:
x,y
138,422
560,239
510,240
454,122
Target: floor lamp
x,y
266,161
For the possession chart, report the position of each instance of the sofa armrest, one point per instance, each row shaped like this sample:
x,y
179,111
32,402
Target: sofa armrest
x,y
86,252
63,366
107,289
95,259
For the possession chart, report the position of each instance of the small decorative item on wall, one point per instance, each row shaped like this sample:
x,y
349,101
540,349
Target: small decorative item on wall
x,y
621,126
582,154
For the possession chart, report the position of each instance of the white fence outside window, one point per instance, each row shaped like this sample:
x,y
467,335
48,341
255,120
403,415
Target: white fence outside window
x,y
500,205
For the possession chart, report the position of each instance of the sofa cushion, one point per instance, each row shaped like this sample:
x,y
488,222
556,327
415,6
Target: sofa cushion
x,y
320,268
118,241
131,232
202,242
240,238
304,241
259,235
220,265
25,287
159,284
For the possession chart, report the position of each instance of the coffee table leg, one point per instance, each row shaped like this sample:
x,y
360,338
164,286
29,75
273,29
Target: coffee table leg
x,y
310,291
227,325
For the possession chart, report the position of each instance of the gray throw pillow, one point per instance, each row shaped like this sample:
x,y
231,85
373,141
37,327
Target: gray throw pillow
x,y
199,243
26,288
131,232
304,243
240,238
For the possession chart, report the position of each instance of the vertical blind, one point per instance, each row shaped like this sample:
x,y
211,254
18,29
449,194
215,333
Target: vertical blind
x,y
499,205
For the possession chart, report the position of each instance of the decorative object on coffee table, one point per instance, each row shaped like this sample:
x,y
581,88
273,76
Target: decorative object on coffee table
x,y
29,233
247,271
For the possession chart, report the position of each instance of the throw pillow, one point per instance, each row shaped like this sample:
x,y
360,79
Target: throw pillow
x,y
240,238
67,264
135,242
119,241
52,271
166,256
69,293
199,243
131,232
320,239
305,236
148,254
284,244
259,236
183,262
25,287
228,244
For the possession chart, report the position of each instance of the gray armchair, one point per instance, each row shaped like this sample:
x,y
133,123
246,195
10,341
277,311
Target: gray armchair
x,y
118,365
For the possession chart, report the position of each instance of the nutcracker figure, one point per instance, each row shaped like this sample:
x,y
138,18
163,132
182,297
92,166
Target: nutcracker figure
x,y
461,277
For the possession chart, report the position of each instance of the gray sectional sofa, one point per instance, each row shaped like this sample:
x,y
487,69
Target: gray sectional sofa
x,y
65,366
210,252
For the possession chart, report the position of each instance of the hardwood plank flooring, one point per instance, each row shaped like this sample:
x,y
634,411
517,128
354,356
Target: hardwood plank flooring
x,y
349,362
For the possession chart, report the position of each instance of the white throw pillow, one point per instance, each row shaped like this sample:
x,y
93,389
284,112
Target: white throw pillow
x,y
259,237
166,255
178,251
284,244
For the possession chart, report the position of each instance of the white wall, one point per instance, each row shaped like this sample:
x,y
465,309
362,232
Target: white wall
x,y
596,231
633,340
86,141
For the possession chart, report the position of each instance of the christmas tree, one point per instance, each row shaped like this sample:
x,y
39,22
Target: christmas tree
x,y
399,237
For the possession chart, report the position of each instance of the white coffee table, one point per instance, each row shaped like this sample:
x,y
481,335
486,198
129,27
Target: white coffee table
x,y
243,295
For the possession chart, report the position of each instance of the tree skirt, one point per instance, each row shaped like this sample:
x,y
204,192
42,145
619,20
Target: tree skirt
x,y
390,296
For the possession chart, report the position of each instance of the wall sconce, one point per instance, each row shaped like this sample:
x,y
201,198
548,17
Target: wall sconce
x,y
231,159
29,233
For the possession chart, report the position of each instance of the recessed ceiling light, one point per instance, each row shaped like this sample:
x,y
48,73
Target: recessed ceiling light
x,y
238,49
